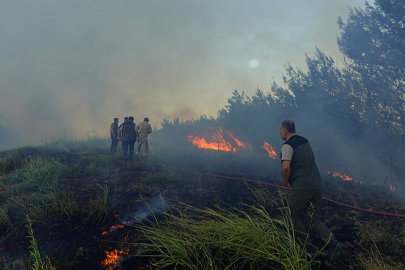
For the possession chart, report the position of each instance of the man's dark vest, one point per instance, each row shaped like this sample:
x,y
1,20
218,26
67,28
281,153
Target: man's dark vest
x,y
304,174
128,132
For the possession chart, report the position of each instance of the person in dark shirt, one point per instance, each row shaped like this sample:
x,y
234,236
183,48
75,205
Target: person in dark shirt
x,y
120,128
128,136
114,135
300,173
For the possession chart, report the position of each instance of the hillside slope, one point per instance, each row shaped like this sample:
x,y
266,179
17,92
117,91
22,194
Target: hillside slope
x,y
87,208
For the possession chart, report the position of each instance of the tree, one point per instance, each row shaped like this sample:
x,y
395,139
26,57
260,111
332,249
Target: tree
x,y
373,42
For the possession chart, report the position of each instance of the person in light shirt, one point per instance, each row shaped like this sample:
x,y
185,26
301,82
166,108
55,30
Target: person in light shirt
x,y
143,129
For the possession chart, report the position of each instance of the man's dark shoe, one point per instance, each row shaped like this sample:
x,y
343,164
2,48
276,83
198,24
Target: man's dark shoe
x,y
334,250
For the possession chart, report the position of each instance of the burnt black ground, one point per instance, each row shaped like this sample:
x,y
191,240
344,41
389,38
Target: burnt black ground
x,y
84,248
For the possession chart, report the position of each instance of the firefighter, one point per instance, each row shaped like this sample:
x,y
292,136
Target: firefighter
x,y
300,173
143,129
128,137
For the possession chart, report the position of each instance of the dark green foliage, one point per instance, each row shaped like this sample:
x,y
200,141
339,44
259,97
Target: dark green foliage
x,y
373,41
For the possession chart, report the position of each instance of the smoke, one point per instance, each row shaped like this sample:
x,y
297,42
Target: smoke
x,y
7,138
156,206
71,67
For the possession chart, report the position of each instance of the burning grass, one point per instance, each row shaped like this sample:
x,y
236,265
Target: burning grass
x,y
113,258
87,199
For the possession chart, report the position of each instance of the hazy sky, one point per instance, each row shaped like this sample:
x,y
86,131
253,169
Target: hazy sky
x,y
71,66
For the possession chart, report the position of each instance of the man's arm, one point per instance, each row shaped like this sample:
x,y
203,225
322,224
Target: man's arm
x,y
285,171
120,133
112,130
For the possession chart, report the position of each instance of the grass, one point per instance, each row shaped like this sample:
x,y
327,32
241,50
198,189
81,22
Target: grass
x,y
375,261
10,161
95,163
33,189
36,189
60,188
53,206
224,238
63,205
65,143
35,257
4,216
374,235
38,174
99,209
158,179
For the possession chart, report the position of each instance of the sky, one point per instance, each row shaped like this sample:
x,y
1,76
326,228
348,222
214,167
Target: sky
x,y
69,67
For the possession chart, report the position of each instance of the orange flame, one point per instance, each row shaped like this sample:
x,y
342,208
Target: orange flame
x,y
241,144
342,176
218,142
113,228
266,146
113,257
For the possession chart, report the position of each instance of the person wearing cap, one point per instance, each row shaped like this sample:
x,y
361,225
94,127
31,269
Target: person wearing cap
x,y
114,135
143,129
300,173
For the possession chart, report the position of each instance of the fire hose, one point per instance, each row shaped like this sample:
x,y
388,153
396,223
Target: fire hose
x,y
326,199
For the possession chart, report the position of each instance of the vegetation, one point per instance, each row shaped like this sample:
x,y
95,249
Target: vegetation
x,y
214,227
36,261
36,187
225,238
67,185
358,100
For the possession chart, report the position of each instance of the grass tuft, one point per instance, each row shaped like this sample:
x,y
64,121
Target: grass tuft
x,y
35,256
39,173
204,238
99,209
4,216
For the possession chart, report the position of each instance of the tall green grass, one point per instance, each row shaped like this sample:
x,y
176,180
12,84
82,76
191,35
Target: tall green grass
x,y
99,209
10,161
224,238
35,257
38,174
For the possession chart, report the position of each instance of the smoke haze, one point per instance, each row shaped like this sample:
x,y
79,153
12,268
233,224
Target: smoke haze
x,y
70,67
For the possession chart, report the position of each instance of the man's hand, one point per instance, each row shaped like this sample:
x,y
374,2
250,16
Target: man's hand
x,y
285,171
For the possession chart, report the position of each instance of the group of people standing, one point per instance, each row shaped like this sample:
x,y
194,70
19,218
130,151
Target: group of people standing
x,y
128,133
